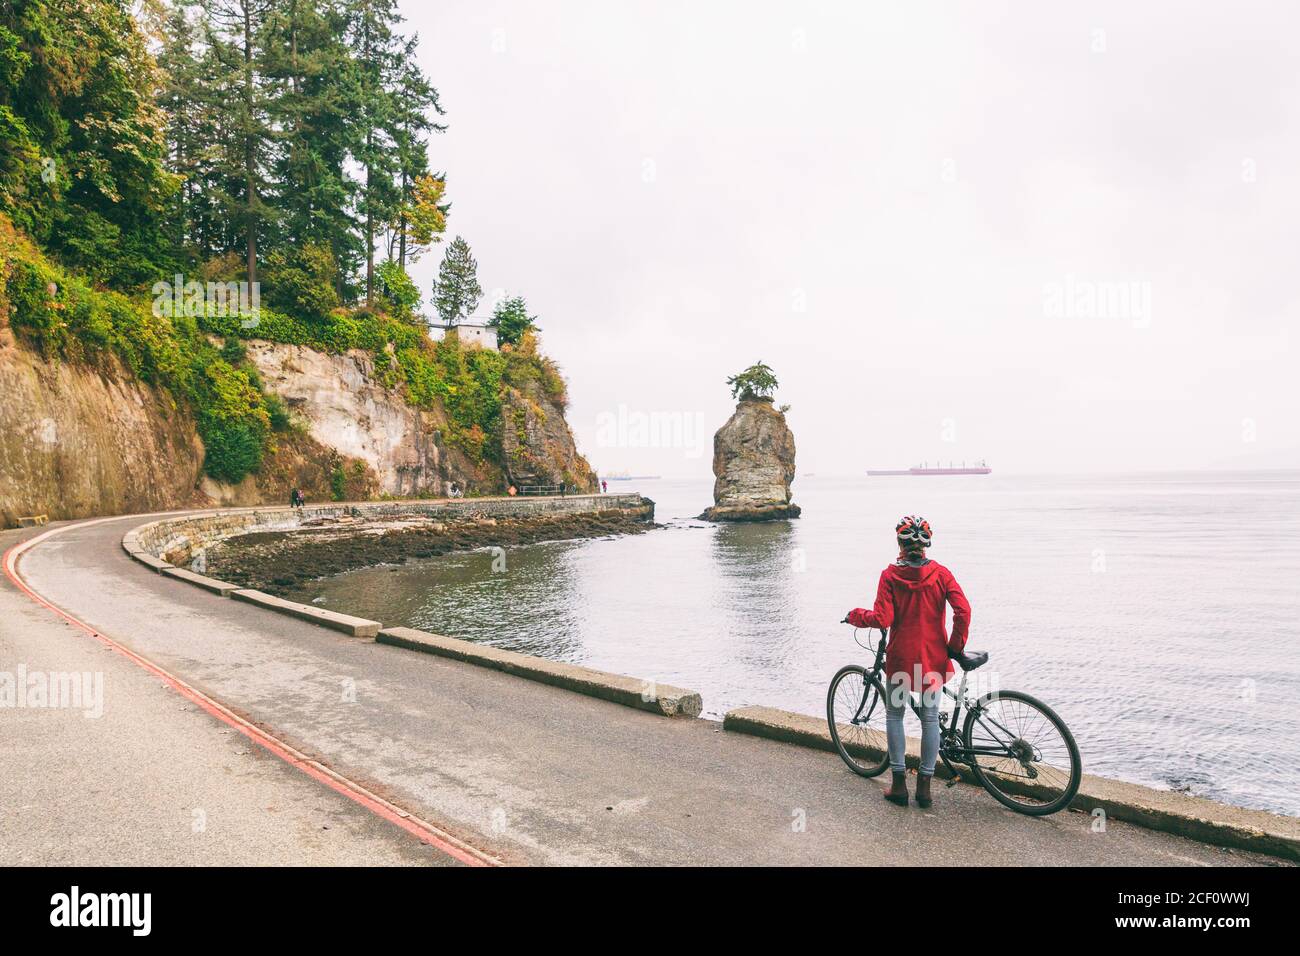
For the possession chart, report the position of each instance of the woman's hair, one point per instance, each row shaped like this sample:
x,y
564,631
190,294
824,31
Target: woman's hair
x,y
910,549
914,537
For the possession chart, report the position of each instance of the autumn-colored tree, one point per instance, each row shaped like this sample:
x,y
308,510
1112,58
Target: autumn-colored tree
x,y
422,218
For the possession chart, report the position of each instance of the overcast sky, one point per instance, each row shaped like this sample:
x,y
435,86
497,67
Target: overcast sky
x,y
1055,240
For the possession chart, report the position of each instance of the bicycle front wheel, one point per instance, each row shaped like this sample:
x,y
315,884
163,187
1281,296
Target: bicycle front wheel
x,y
855,710
1022,753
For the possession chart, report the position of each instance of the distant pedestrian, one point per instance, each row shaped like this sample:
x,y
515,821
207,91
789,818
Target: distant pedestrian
x,y
603,486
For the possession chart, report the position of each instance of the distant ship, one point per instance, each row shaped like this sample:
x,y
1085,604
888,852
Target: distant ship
x,y
624,476
937,469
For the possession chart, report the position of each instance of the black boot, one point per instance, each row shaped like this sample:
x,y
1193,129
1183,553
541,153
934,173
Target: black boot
x,y
897,793
923,790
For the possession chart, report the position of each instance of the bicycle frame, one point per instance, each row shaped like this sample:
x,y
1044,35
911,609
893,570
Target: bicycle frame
x,y
950,745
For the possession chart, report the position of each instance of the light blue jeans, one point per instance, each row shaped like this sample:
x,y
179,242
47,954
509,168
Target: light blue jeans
x,y
895,706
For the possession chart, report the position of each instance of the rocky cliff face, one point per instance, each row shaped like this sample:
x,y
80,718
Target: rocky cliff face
x,y
347,410
537,443
753,461
77,441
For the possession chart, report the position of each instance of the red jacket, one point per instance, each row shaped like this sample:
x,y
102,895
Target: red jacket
x,y
910,601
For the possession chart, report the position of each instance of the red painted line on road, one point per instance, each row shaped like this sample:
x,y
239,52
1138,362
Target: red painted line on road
x,y
423,830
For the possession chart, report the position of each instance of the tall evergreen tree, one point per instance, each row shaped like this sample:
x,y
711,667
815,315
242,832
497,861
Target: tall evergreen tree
x,y
313,110
296,124
376,60
185,72
237,35
457,293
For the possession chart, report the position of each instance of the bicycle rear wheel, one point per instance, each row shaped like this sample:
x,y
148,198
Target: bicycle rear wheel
x,y
1034,766
855,710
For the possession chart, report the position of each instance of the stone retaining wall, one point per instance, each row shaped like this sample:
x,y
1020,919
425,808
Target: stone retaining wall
x,y
178,540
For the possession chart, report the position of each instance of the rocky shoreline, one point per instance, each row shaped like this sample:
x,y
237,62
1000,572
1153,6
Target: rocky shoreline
x,y
771,512
278,562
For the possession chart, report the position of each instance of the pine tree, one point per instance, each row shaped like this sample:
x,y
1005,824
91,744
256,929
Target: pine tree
x,y
457,293
511,320
185,72
237,34
375,51
313,109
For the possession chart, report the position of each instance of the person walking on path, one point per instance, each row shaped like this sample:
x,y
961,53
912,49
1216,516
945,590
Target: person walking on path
x,y
911,600
604,487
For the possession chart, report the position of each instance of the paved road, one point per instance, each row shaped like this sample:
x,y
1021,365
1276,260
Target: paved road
x,y
154,779
530,773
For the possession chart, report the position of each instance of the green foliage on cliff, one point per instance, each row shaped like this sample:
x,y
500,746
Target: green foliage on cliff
x,y
511,320
81,139
397,290
200,360
64,318
468,382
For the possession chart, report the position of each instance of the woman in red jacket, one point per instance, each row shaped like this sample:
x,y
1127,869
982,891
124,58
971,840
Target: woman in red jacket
x,y
911,599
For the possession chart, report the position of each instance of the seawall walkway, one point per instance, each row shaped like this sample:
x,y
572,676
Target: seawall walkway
x,y
503,769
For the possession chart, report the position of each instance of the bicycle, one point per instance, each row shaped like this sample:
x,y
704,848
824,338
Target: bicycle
x,y
1018,768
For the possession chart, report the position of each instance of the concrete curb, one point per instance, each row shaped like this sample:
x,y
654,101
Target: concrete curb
x,y
149,561
355,626
629,691
222,588
1177,813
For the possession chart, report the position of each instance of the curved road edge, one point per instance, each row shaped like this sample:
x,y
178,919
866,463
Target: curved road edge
x,y
425,831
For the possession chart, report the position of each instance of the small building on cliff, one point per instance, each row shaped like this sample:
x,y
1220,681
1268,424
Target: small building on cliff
x,y
472,333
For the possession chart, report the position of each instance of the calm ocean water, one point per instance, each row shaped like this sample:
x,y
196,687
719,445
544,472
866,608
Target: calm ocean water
x,y
1157,613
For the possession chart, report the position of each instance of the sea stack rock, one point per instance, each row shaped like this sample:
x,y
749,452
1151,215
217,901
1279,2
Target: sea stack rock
x,y
753,461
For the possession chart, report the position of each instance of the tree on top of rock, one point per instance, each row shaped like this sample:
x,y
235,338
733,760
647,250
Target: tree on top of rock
x,y
457,292
754,384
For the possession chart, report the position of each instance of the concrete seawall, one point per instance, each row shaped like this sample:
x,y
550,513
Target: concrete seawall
x,y
178,540
162,545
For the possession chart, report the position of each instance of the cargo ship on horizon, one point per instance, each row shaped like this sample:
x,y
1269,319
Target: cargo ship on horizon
x,y
924,469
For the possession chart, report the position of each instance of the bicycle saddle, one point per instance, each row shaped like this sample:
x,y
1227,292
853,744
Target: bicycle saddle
x,y
968,662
